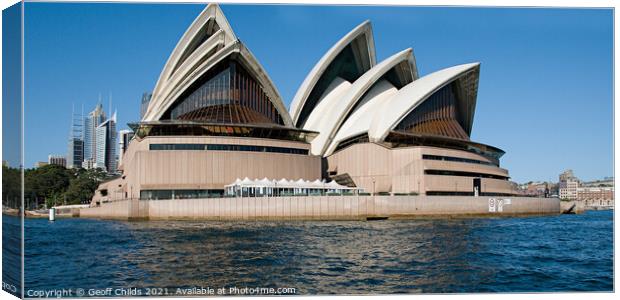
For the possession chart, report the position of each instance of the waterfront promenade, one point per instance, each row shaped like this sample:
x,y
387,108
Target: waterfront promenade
x,y
322,208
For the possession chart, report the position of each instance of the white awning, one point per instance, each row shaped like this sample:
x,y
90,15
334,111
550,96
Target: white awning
x,y
284,184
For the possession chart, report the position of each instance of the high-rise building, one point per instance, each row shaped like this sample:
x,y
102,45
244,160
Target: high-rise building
x,y
75,151
57,160
75,154
106,145
124,136
91,122
144,104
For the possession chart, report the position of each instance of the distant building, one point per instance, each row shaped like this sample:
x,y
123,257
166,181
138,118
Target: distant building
x,y
144,103
75,147
568,185
606,182
593,193
40,164
88,164
568,189
124,136
75,154
58,160
535,189
106,145
567,175
91,122
596,195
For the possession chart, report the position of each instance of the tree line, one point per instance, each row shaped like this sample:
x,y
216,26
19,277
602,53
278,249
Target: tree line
x,y
49,185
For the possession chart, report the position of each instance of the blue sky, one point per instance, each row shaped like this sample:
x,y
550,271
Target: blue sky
x,y
545,93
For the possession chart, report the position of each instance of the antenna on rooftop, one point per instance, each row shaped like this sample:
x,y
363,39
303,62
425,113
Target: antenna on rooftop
x,y
110,101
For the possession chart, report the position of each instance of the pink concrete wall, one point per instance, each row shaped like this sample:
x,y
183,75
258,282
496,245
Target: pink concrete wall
x,y
318,208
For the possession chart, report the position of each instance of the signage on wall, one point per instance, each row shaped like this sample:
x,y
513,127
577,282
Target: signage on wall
x,y
492,204
497,205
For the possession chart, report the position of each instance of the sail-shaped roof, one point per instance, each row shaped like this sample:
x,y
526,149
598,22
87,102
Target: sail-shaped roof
x,y
207,44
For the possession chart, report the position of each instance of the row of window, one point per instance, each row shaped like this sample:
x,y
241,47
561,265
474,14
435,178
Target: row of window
x,y
179,194
358,139
464,174
228,147
451,193
457,159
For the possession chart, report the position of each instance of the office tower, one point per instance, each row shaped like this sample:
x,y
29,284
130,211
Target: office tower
x,y
106,145
91,122
144,104
75,153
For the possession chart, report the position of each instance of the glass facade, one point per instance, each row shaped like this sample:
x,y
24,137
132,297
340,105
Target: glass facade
x,y
464,174
106,145
438,115
358,139
228,147
91,122
403,139
144,103
179,194
75,153
226,94
189,128
458,159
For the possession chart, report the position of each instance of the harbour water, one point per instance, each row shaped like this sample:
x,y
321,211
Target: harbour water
x,y
533,254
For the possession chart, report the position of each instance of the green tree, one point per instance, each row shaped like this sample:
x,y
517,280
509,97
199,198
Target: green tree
x,y
45,182
11,187
83,186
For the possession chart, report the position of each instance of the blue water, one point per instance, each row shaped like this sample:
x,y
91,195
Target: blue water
x,y
534,254
11,255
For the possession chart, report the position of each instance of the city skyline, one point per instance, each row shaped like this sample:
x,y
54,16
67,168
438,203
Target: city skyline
x,y
531,136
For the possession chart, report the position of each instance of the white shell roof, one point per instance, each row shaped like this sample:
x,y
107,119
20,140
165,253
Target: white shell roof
x,y
178,76
311,79
360,120
411,96
340,106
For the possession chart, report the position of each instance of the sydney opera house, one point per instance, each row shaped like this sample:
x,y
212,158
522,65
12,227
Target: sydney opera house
x,y
215,117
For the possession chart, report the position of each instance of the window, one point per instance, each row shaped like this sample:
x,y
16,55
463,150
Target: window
x,y
457,159
179,194
226,94
465,174
438,115
358,139
228,147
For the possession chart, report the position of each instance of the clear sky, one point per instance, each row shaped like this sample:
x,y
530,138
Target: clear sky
x,y
545,93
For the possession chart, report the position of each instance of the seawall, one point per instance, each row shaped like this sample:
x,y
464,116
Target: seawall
x,y
322,208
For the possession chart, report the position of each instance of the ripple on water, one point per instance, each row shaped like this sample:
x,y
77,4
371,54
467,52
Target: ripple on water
x,y
432,256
